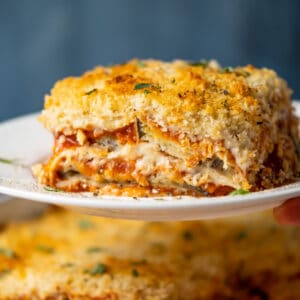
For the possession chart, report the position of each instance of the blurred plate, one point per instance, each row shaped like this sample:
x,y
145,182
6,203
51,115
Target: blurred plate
x,y
4,198
20,209
25,142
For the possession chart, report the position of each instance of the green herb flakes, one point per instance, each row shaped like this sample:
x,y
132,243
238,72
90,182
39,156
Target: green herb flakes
x,y
91,92
95,250
242,73
142,85
98,269
7,161
85,224
8,253
45,249
226,70
202,63
140,64
50,189
147,92
187,235
239,192
135,273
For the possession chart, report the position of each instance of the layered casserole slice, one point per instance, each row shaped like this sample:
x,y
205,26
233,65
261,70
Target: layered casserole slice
x,y
149,127
65,256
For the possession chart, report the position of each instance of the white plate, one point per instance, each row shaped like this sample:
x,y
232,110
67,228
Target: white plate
x,y
25,140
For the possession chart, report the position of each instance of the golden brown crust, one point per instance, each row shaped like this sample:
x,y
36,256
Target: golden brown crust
x,y
62,256
192,115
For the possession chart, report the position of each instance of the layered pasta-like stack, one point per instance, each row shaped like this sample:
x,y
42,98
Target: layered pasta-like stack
x,y
149,127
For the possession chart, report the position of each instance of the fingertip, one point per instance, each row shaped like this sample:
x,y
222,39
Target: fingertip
x,y
279,215
288,213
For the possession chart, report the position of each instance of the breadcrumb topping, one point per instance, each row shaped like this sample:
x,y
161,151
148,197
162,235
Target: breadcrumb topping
x,y
63,255
193,111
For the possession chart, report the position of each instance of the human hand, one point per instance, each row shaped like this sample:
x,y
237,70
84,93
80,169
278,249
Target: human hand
x,y
289,212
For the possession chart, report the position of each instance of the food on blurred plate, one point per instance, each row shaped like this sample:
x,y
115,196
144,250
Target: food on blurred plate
x,y
63,255
150,127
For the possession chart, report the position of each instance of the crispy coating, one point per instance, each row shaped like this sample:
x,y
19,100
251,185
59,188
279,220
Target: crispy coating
x,y
69,256
194,113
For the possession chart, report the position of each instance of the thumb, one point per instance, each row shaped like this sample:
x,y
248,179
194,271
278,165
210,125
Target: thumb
x,y
289,212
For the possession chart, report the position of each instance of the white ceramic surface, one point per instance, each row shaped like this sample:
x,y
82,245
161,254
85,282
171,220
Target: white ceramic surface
x,y
25,141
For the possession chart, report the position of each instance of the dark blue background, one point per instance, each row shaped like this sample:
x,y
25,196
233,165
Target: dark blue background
x,y
43,40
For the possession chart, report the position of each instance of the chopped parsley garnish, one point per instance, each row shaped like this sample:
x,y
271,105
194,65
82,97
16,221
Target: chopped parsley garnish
x,y
226,70
85,224
135,273
98,269
239,192
140,64
7,161
45,249
90,92
4,272
8,252
242,73
142,85
95,250
241,235
202,63
187,235
173,80
147,91
50,189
